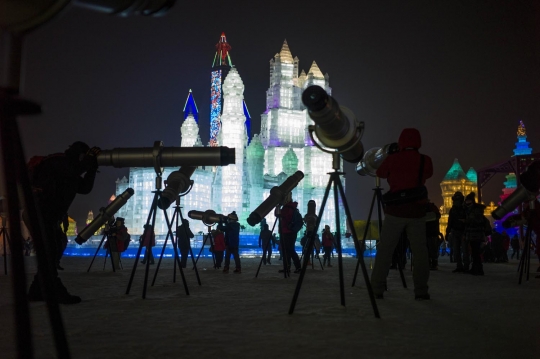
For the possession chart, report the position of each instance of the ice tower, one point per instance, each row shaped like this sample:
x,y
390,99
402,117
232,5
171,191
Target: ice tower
x,y
233,135
220,68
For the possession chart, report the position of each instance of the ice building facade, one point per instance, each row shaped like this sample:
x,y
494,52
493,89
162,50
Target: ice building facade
x,y
263,160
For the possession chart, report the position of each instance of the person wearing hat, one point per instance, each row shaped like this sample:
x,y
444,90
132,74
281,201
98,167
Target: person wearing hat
x,y
184,235
474,232
406,172
116,241
456,230
231,227
56,179
148,240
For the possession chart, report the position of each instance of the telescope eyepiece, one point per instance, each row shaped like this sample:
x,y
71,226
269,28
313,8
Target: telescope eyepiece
x,y
314,98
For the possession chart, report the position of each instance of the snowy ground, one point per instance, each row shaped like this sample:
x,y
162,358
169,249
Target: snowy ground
x,y
238,316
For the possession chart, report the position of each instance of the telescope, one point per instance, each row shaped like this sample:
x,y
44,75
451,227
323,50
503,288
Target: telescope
x,y
209,217
530,186
336,127
159,156
277,196
177,182
104,216
373,158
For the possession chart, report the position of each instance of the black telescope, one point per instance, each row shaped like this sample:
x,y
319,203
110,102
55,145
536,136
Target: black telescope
x,y
209,217
530,186
373,158
177,182
277,196
336,127
159,156
105,214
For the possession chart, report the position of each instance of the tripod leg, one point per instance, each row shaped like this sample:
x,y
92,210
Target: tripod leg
x,y
161,256
3,232
176,255
265,250
95,254
198,255
267,246
310,247
337,180
190,250
361,258
212,249
529,243
150,213
13,163
365,236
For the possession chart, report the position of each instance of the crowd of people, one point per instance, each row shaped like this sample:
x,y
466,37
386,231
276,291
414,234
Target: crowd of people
x,y
411,225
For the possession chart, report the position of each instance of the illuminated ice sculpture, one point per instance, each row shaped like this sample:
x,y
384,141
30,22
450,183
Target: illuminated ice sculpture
x,y
282,148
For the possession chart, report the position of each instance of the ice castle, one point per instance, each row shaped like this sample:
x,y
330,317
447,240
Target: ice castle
x,y
263,160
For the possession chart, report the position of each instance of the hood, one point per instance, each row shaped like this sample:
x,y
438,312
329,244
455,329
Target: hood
x,y
410,137
292,204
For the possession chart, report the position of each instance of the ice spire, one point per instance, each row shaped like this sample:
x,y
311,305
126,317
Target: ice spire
x,y
285,54
191,107
233,135
190,127
314,69
222,58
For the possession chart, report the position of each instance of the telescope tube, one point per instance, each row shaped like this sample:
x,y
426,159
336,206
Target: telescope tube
x,y
105,214
373,158
336,127
208,217
277,195
168,157
177,182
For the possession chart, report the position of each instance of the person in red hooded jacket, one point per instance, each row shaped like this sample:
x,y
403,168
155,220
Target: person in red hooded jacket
x,y
288,235
402,171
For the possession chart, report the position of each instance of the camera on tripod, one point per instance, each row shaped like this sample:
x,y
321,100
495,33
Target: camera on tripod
x,y
373,158
210,217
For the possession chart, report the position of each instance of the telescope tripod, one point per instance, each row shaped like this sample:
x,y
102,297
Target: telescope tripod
x,y
5,238
377,196
105,235
525,261
17,181
208,237
305,251
176,215
152,219
335,180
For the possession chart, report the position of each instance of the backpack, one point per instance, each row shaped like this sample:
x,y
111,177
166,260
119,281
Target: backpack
x,y
297,222
127,241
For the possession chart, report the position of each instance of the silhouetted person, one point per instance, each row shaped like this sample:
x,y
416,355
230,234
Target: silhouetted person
x,y
148,239
474,232
456,229
56,180
328,245
288,234
266,242
514,243
231,227
184,235
219,247
116,240
405,170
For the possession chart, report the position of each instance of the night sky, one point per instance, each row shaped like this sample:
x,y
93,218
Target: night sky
x,y
464,73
